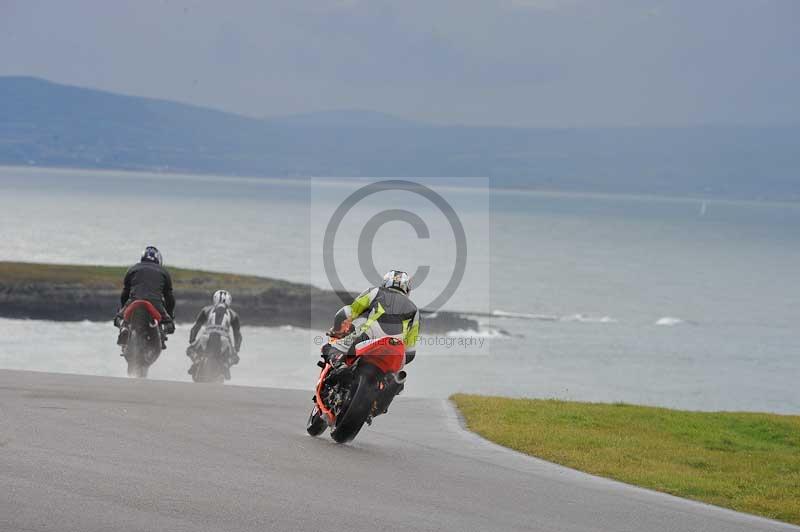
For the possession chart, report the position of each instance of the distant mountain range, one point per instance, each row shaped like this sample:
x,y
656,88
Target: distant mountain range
x,y
47,124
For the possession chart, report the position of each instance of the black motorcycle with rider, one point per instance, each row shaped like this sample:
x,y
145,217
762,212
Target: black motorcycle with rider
x,y
147,312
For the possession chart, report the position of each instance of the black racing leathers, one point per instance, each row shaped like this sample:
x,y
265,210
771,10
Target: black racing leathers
x,y
151,282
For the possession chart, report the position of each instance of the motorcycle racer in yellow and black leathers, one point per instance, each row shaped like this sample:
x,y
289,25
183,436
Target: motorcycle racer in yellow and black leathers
x,y
389,312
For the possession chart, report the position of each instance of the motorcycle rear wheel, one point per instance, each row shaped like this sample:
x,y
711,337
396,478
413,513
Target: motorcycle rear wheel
x,y
136,355
209,370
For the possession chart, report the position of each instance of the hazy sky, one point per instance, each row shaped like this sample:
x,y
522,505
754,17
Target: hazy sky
x,y
503,62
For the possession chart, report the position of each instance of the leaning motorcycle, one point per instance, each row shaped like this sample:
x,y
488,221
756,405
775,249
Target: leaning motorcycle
x,y
212,361
359,389
144,342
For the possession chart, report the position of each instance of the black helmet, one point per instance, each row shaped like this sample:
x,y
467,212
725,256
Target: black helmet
x,y
152,254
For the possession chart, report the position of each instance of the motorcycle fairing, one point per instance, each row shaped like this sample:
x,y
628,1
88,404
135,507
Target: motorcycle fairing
x,y
141,303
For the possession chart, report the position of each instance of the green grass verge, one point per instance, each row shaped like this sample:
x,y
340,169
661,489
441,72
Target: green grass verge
x,y
112,276
749,462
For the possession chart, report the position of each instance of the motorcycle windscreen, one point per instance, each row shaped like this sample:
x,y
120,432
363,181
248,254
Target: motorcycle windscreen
x,y
388,354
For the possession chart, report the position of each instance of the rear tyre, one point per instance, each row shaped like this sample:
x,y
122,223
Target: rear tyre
x,y
349,422
209,370
144,345
134,370
210,367
316,424
137,368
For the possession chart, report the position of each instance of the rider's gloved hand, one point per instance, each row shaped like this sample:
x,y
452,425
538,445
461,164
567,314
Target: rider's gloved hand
x,y
326,350
347,328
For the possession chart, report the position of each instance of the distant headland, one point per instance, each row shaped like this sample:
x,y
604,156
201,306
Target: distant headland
x,y
62,292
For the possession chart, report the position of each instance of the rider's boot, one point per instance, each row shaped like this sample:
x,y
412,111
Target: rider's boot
x,y
124,335
393,389
167,328
162,334
193,357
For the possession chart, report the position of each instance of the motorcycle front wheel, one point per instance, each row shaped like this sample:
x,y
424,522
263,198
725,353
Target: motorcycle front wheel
x,y
316,424
363,392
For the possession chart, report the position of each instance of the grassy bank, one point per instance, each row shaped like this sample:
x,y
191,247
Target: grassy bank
x,y
112,276
749,462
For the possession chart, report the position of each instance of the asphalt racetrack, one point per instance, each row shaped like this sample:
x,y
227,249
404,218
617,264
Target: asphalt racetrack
x,y
80,453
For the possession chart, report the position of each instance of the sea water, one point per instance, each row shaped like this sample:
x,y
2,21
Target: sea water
x,y
677,302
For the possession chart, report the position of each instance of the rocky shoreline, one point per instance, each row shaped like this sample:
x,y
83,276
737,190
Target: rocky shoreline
x,y
77,293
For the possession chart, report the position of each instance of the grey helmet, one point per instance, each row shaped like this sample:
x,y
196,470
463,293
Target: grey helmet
x,y
397,280
222,297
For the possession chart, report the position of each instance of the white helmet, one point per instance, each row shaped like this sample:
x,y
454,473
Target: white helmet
x,y
223,297
397,280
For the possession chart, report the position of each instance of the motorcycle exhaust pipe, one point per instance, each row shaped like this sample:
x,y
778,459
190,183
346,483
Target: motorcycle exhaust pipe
x,y
153,324
400,377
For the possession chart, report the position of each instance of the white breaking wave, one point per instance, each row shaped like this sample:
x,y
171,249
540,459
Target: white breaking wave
x,y
523,316
472,333
548,317
669,321
589,319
